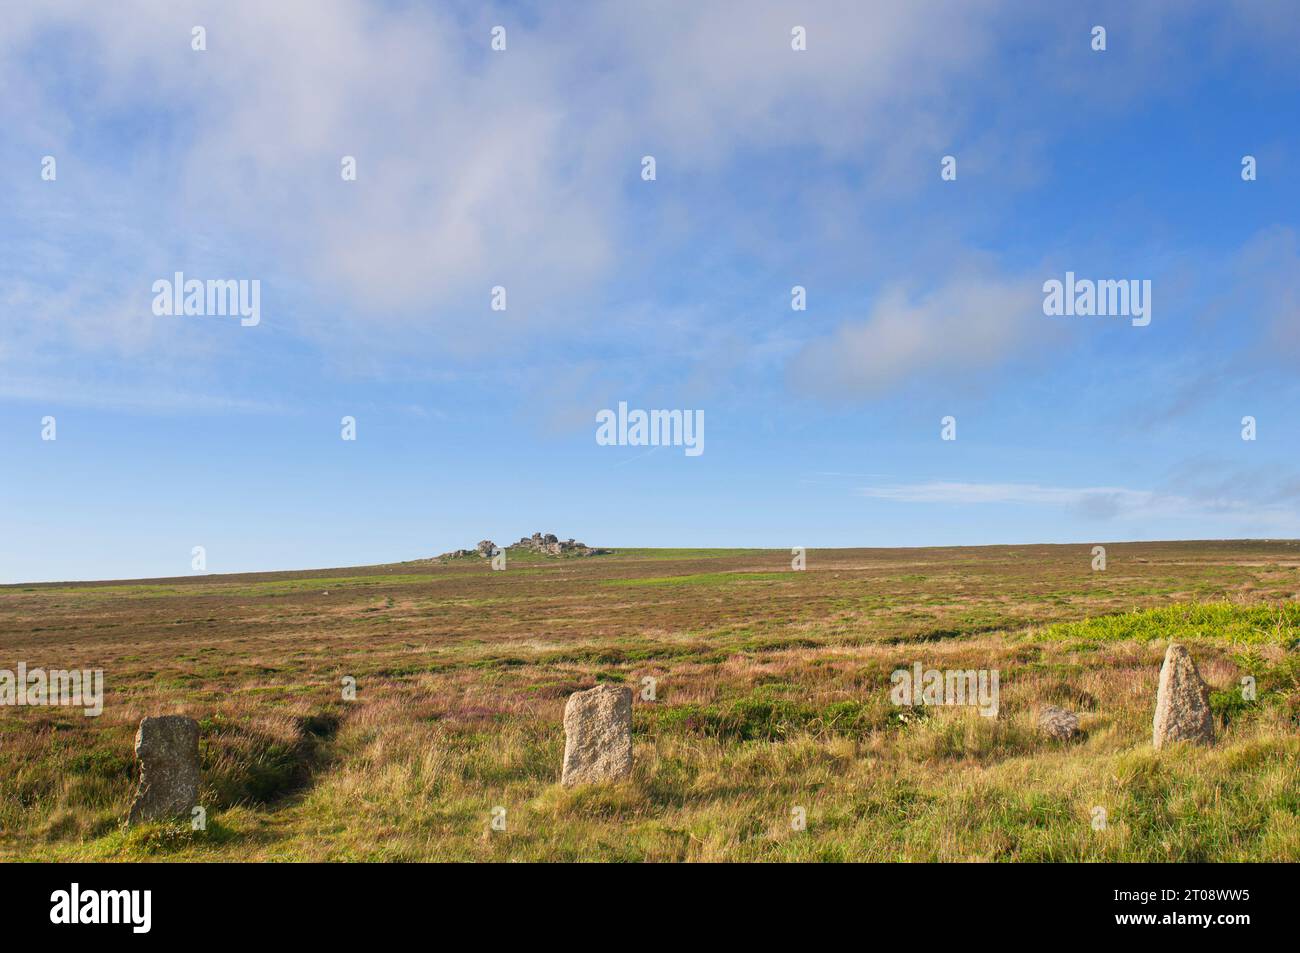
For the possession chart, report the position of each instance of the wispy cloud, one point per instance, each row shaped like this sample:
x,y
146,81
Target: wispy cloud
x,y
972,323
520,169
1096,502
63,392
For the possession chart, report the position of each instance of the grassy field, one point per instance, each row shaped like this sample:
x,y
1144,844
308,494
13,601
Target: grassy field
x,y
772,692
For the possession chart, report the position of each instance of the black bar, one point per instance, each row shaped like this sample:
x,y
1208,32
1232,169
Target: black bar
x,y
217,901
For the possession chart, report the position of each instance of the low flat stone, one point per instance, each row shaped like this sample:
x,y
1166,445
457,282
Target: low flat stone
x,y
1058,723
168,749
598,735
1182,704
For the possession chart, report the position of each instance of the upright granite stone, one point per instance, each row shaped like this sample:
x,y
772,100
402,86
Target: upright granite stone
x,y
1182,708
1058,723
598,735
168,749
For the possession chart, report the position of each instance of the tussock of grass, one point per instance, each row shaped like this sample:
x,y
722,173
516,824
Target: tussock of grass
x,y
762,716
262,760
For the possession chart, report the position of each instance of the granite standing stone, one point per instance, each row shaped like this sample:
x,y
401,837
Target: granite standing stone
x,y
1182,708
598,735
168,749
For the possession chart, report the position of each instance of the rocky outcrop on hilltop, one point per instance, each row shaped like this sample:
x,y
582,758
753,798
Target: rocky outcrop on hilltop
x,y
546,544
549,544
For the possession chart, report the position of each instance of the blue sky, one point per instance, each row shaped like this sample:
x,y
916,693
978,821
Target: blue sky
x,y
521,168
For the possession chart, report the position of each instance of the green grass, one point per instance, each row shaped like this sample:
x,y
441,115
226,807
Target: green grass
x,y
1218,621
